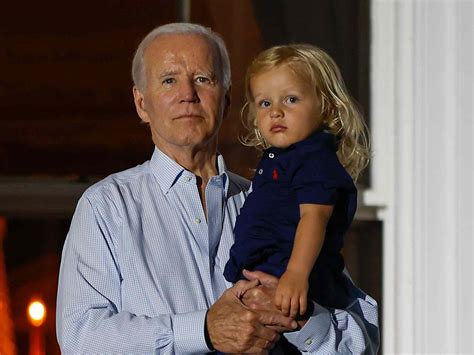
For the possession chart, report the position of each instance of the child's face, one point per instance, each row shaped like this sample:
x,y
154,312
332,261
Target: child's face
x,y
287,108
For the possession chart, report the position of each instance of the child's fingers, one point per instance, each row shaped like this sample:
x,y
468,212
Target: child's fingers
x,y
278,300
303,304
285,305
294,307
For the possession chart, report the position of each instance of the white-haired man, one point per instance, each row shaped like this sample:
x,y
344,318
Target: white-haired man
x,y
141,270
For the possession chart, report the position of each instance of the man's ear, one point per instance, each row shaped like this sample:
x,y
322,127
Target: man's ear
x,y
139,100
227,102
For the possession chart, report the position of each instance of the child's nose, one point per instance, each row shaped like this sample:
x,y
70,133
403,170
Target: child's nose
x,y
276,112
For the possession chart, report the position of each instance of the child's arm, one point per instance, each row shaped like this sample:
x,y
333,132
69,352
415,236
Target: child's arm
x,y
292,290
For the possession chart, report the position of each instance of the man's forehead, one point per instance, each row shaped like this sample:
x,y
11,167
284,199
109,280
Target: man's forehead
x,y
182,46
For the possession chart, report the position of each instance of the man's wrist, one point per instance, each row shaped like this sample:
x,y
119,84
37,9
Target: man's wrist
x,y
188,332
206,335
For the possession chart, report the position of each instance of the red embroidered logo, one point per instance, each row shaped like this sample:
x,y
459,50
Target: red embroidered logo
x,y
275,174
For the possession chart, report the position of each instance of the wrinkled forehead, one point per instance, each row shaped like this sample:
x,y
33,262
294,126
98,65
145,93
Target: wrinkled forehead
x,y
193,51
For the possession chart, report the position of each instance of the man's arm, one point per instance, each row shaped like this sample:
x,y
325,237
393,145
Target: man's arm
x,y
90,318
353,330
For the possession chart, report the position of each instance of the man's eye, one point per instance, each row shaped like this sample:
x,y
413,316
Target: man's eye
x,y
291,99
264,104
202,80
168,81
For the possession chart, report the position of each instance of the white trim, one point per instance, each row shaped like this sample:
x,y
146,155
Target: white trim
x,y
422,171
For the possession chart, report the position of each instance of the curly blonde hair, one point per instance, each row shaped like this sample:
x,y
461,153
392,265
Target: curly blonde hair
x,y
339,111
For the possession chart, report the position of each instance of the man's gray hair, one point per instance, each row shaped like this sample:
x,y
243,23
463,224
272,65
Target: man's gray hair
x,y
138,65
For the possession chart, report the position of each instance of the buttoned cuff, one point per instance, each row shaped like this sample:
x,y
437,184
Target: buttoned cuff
x,y
313,332
188,331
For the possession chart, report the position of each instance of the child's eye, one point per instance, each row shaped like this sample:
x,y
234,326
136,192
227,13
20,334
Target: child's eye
x,y
264,103
291,99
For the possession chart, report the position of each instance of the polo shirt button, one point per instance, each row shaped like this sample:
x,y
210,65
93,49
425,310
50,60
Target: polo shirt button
x,y
197,220
189,178
260,172
308,341
271,155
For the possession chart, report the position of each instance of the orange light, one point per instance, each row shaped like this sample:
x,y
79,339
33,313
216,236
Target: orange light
x,y
36,313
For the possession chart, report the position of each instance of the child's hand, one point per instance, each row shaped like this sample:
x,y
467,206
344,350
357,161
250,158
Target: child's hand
x,y
292,294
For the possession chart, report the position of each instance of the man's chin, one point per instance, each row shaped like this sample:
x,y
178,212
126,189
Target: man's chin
x,y
191,139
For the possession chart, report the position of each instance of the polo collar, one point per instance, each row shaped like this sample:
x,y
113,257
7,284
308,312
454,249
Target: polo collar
x,y
316,141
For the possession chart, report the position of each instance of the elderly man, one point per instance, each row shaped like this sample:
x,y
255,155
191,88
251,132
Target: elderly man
x,y
142,265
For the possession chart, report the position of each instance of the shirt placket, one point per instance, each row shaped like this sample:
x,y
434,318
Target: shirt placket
x,y
215,216
199,228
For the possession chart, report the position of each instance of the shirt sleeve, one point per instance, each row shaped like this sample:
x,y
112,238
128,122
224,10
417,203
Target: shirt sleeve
x,y
89,314
317,179
353,330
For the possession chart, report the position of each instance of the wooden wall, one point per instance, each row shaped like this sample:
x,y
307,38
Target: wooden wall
x,y
66,104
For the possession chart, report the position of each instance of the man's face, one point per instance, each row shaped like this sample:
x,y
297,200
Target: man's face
x,y
184,100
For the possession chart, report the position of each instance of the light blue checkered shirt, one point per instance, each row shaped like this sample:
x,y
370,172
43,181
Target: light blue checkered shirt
x,y
141,265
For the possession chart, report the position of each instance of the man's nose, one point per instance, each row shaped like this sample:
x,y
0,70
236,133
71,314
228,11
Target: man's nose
x,y
188,92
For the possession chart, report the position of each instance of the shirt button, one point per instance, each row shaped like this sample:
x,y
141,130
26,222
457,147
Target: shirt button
x,y
260,172
271,155
197,220
308,341
189,178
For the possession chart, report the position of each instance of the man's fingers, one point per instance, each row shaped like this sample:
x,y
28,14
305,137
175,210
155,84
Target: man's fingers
x,y
243,286
272,318
262,347
278,329
264,278
264,334
267,338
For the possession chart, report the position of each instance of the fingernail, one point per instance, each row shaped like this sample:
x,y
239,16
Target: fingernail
x,y
294,325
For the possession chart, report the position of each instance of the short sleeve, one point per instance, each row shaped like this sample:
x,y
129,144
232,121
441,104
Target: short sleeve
x,y
318,180
316,193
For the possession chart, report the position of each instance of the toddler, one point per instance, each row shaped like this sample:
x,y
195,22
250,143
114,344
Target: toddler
x,y
303,196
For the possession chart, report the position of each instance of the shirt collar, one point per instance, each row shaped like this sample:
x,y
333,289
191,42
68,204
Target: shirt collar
x,y
316,141
168,172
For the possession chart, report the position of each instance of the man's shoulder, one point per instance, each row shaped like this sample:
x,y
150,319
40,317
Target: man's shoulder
x,y
117,181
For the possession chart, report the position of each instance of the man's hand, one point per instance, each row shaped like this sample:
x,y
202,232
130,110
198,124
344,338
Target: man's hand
x,y
235,328
292,293
262,296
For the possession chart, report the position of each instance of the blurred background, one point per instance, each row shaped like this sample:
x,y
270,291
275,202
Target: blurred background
x,y
67,120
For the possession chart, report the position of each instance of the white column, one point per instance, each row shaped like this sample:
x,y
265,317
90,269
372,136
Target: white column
x,y
422,171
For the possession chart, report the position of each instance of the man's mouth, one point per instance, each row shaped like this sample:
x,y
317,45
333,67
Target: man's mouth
x,y
188,116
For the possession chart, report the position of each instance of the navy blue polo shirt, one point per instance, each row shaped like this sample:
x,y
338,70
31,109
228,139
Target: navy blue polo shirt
x,y
306,172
